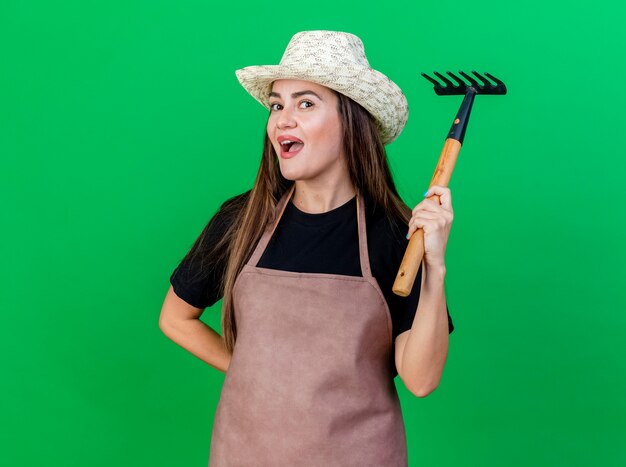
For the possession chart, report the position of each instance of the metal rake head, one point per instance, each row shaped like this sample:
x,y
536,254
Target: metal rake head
x,y
461,87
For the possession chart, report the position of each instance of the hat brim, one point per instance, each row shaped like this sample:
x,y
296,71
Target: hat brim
x,y
380,96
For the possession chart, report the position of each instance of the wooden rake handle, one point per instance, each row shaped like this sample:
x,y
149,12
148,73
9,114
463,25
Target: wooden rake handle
x,y
415,250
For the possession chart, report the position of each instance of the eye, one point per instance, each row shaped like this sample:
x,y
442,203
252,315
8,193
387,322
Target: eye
x,y
273,106
306,102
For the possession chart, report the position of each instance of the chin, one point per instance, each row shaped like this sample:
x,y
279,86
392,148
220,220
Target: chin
x,y
290,173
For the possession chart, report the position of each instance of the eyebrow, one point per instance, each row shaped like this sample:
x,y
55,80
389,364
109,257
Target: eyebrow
x,y
296,94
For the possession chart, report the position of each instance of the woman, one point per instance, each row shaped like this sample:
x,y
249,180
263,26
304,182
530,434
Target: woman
x,y
305,262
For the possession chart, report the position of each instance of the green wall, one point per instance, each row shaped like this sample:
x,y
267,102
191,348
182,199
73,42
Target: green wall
x,y
123,128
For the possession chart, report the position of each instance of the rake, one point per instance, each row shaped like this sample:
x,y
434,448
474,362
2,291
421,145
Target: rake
x,y
415,249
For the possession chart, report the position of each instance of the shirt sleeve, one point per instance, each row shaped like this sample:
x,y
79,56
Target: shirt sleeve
x,y
392,243
198,278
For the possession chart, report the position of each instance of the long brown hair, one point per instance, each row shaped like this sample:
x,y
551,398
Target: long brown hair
x,y
370,175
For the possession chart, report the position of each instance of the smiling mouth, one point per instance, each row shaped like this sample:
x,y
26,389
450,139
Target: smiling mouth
x,y
291,146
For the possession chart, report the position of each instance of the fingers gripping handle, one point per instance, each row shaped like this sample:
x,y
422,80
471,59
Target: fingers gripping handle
x,y
415,250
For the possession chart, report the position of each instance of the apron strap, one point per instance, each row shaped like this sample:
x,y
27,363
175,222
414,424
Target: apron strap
x,y
269,230
362,232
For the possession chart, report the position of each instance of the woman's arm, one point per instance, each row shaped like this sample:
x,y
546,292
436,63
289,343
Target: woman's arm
x,y
421,352
181,323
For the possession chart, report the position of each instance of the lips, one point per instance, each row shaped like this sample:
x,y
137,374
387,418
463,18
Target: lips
x,y
289,145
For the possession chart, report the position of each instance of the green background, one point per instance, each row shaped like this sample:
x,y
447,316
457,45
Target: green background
x,y
123,128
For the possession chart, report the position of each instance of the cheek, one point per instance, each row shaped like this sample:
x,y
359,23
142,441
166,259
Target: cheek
x,y
329,132
333,129
334,136
270,135
268,128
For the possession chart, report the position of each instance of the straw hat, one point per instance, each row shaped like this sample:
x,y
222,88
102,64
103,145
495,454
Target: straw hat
x,y
336,60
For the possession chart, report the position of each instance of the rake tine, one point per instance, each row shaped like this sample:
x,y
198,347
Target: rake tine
x,y
501,87
434,81
445,80
496,80
471,79
493,78
457,79
482,78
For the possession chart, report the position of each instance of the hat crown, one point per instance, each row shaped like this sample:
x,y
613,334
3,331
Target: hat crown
x,y
336,60
325,48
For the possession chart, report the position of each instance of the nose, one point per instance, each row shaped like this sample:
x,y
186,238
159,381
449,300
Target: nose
x,y
285,119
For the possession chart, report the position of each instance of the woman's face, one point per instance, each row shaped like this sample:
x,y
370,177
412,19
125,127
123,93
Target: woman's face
x,y
306,114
